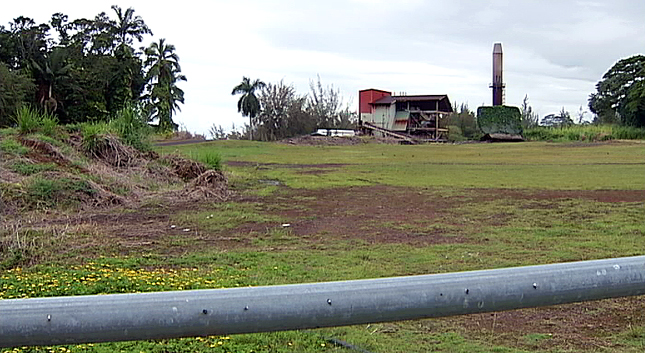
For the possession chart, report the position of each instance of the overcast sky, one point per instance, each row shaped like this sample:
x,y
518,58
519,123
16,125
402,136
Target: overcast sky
x,y
554,50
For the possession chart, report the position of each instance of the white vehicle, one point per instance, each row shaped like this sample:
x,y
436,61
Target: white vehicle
x,y
334,133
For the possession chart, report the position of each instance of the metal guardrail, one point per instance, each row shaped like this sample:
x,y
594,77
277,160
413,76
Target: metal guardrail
x,y
140,316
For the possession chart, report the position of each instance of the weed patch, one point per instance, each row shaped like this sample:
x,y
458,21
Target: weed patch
x,y
28,168
12,147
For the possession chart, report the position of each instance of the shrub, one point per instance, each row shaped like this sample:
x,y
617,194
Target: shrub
x,y
455,134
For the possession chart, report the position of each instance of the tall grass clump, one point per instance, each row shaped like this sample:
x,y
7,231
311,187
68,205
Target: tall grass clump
x,y
211,159
92,134
27,119
131,127
584,133
49,124
30,120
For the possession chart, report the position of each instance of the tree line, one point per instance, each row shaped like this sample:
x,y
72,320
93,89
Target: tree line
x,y
276,111
88,69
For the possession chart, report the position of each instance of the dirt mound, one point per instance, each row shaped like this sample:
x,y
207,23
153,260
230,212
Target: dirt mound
x,y
110,150
211,184
42,175
47,150
186,169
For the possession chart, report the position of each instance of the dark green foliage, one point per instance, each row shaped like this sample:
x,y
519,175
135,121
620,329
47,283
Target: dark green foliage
x,y
326,109
284,113
14,90
249,104
164,95
466,122
499,120
620,95
131,127
632,109
559,120
84,69
529,117
455,134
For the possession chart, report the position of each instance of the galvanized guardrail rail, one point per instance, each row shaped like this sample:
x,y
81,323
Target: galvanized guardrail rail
x,y
140,316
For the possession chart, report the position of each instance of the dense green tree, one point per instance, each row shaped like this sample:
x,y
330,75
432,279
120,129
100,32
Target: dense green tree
x,y
248,104
14,89
613,100
164,72
30,42
464,119
561,119
632,109
87,68
283,113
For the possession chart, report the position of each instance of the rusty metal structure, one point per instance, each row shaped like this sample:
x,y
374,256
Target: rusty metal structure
x,y
498,85
406,117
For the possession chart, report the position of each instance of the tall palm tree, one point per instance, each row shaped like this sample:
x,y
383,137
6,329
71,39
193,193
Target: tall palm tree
x,y
128,26
163,74
248,105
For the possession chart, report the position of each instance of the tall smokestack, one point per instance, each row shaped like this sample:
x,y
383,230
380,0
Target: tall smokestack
x,y
498,69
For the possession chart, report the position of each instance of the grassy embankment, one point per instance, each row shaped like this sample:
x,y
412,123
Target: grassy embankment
x,y
494,230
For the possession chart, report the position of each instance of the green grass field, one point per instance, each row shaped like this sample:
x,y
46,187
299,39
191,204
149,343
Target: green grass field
x,y
370,211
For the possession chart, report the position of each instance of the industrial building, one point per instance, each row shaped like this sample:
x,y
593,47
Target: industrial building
x,y
401,116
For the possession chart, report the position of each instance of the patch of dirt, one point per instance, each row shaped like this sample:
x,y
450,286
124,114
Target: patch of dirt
x,y
579,326
596,195
316,171
186,169
277,165
45,152
376,214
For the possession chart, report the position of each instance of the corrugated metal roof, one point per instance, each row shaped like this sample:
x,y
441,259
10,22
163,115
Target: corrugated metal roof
x,y
391,99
